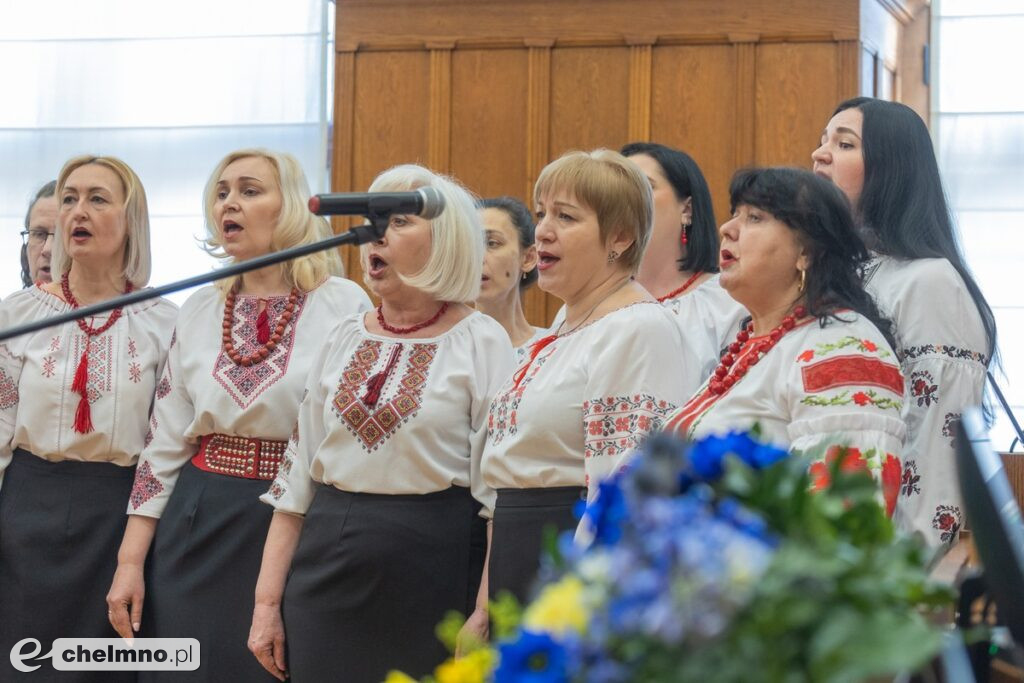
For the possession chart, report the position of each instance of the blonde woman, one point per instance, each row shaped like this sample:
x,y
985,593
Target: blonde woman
x,y
375,532
225,407
74,403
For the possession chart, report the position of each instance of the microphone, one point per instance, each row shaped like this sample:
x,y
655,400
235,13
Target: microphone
x,y
426,202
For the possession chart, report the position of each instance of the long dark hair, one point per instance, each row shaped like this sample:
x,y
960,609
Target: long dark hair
x,y
683,173
523,222
902,205
47,190
820,215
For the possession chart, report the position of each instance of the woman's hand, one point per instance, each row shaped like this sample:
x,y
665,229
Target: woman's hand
x,y
473,633
266,639
124,601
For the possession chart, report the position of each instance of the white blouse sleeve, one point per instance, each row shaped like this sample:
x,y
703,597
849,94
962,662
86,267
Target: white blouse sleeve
x,y
167,448
10,374
845,390
293,489
945,356
636,379
495,360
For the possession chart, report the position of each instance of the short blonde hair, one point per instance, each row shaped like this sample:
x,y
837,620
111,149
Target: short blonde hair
x,y
137,264
610,185
455,266
295,224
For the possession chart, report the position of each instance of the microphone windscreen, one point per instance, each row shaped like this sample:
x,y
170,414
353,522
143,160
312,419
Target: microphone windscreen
x,y
433,202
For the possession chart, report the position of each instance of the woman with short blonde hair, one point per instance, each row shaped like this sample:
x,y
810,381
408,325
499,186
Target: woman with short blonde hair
x,y
224,410
375,533
74,404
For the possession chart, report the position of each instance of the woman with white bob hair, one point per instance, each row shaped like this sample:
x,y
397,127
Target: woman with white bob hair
x,y
74,403
377,500
225,408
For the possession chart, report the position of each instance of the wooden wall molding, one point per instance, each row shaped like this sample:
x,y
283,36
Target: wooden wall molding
x,y
538,111
640,91
439,125
848,69
746,106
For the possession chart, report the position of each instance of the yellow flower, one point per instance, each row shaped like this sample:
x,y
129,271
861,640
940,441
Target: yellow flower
x,y
473,668
559,608
399,677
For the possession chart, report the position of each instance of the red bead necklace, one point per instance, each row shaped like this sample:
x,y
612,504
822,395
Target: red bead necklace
x,y
722,379
676,292
263,334
83,415
409,330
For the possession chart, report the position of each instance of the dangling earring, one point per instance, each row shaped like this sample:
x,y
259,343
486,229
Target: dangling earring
x,y
612,255
803,280
523,277
683,239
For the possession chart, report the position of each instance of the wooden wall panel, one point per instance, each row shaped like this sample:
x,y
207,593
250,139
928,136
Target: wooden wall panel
x,y
797,89
489,121
693,109
589,103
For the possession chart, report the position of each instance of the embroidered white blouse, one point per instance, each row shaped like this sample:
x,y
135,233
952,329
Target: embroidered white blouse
x,y
37,406
523,352
817,387
943,351
588,398
426,430
203,392
709,319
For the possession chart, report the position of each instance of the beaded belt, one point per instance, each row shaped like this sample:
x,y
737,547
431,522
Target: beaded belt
x,y
237,456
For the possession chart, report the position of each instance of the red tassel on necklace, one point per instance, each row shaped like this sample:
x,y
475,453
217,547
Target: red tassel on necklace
x,y
376,383
83,415
263,326
536,348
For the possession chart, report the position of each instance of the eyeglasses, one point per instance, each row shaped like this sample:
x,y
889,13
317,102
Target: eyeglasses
x,y
35,237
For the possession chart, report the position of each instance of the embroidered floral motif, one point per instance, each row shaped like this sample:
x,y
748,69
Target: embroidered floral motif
x,y
613,425
145,487
861,398
101,367
851,371
374,426
135,372
49,367
277,490
55,344
862,345
502,418
944,350
174,339
909,484
924,388
285,468
151,432
245,383
949,428
947,521
133,350
8,391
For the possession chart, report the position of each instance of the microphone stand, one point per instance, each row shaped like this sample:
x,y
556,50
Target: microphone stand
x,y
360,234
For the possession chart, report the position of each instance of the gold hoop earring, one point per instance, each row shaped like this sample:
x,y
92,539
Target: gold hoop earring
x,y
803,280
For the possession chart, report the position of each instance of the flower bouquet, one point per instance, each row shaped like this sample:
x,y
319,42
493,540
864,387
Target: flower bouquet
x,y
722,560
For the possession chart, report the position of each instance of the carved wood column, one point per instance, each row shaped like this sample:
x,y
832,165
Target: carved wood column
x,y
639,121
440,122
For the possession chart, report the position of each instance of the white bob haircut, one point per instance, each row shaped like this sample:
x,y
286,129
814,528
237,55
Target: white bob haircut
x,y
455,266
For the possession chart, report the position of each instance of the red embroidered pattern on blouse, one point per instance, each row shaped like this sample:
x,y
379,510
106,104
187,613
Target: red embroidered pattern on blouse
x,y
49,367
947,522
145,487
862,345
909,485
924,388
374,426
615,424
101,366
150,432
502,416
844,371
8,391
245,383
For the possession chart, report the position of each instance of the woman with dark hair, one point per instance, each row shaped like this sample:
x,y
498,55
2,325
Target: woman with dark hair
x,y
880,154
681,264
510,267
814,368
40,227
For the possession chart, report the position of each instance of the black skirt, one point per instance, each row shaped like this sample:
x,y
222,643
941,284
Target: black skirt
x,y
201,574
61,524
371,578
517,534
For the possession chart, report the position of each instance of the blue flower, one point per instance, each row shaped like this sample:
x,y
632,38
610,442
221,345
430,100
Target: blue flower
x,y
532,658
606,513
707,456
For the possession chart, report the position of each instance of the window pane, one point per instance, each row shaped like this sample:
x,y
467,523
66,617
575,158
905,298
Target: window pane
x,y
975,56
982,158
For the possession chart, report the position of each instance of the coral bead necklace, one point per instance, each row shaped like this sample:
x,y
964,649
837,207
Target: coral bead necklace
x,y
725,375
